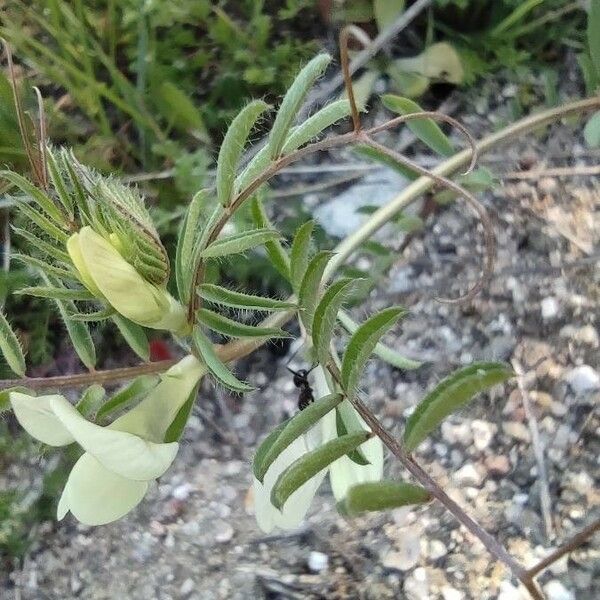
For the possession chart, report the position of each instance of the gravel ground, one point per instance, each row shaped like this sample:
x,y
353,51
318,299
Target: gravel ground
x,y
195,536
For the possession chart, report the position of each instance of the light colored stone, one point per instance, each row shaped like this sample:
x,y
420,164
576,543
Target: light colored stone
x,y
416,585
549,308
497,464
408,550
450,593
483,432
467,475
187,587
548,185
318,561
555,590
583,379
182,492
437,549
224,532
516,430
457,433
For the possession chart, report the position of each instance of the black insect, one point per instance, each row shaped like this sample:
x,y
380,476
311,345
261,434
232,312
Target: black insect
x,y
305,397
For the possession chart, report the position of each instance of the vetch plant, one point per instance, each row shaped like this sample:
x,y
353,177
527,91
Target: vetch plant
x,y
98,257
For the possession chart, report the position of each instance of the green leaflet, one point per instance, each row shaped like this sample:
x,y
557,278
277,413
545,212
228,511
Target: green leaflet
x,y
265,446
43,246
381,495
387,11
233,146
593,35
45,267
239,242
591,131
316,124
134,335
93,316
90,400
295,427
300,253
128,395
232,328
346,422
175,430
78,332
35,194
56,293
44,223
215,365
220,295
362,344
427,130
257,165
309,465
384,352
185,244
449,395
308,294
326,314
292,101
59,184
275,250
182,111
11,347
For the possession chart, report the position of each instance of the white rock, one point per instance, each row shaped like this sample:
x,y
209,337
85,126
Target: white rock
x,y
450,593
517,430
467,475
483,432
187,587
583,379
457,434
182,492
224,532
555,590
416,586
317,561
549,307
437,549
408,553
339,216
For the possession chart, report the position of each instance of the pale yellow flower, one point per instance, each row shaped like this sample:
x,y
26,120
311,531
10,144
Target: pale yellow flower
x,y
109,276
121,459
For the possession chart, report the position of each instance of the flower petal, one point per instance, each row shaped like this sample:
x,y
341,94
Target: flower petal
x,y
124,288
35,415
97,496
297,505
123,453
344,472
152,417
74,250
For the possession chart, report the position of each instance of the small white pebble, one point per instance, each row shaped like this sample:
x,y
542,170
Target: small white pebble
x,y
317,561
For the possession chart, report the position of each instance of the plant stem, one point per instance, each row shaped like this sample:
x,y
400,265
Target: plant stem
x,y
576,541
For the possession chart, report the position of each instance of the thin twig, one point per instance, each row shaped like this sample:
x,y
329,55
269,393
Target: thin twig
x,y
324,91
538,451
554,172
577,540
481,211
345,35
